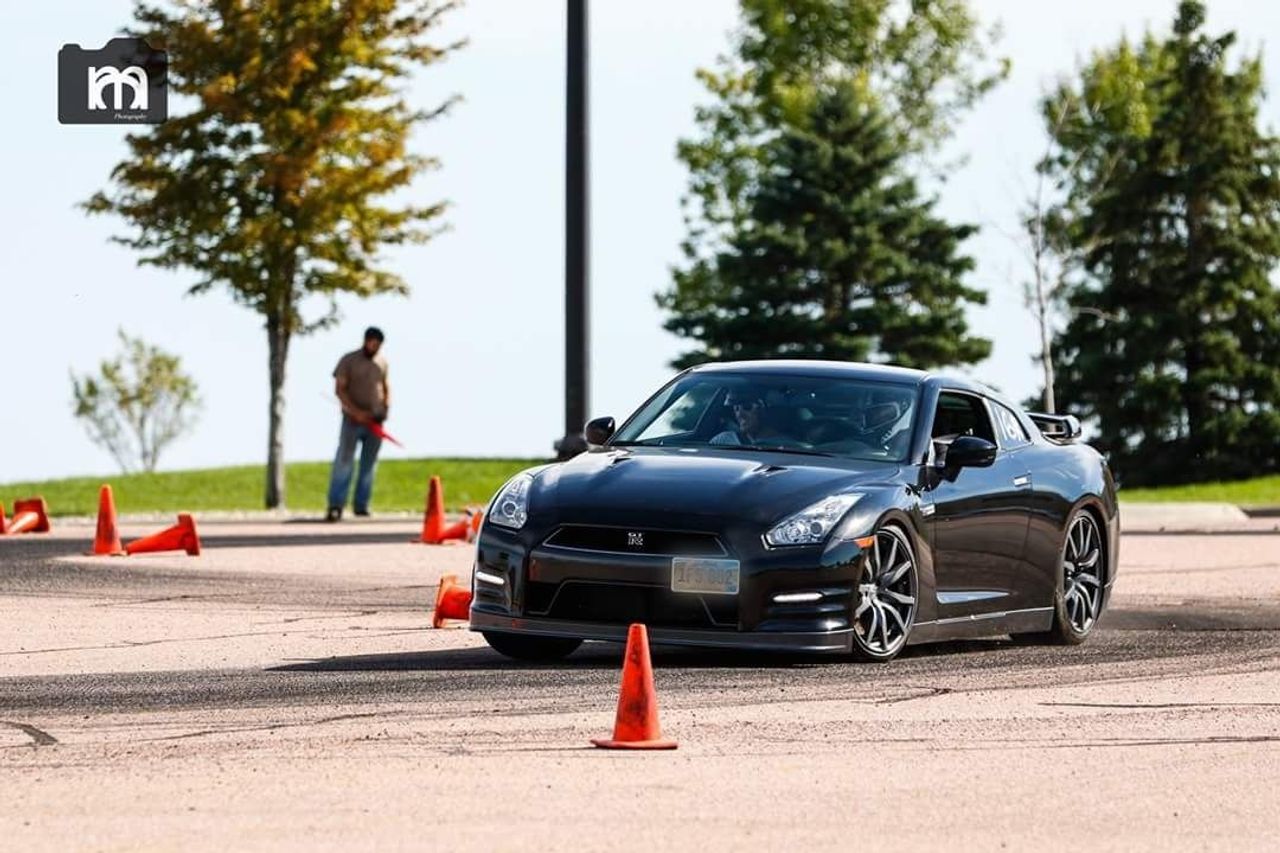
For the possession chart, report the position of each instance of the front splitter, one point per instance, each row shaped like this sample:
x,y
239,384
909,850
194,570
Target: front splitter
x,y
832,642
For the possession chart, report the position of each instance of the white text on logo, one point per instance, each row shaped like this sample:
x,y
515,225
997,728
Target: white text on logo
x,y
100,78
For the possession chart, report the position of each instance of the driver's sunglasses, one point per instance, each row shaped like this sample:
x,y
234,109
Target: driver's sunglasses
x,y
744,405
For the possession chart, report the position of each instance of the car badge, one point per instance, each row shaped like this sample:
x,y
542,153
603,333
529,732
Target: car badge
x,y
635,540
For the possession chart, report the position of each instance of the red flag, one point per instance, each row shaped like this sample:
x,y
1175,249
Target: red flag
x,y
376,429
374,426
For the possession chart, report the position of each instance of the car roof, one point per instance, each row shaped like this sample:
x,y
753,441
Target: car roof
x,y
849,370
817,367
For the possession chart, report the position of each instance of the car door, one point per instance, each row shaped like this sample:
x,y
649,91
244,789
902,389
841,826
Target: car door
x,y
1030,586
980,515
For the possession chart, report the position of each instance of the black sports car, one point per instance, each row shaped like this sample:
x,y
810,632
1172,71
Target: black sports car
x,y
808,506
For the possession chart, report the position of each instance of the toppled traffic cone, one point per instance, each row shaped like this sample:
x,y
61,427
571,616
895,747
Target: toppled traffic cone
x,y
456,532
29,516
476,518
636,725
106,540
181,537
433,521
453,601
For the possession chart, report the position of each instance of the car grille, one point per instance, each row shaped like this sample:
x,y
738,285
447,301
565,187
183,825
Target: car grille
x,y
631,540
588,601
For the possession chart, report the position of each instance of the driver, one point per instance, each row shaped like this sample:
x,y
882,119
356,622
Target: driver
x,y
753,424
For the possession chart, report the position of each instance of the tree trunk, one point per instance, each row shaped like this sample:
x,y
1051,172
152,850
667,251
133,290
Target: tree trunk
x,y
1046,349
1193,401
277,354
1193,298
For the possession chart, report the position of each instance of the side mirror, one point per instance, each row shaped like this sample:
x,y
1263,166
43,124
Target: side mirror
x,y
970,451
598,431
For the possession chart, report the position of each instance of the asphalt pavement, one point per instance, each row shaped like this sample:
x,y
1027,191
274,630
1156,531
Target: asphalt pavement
x,y
284,690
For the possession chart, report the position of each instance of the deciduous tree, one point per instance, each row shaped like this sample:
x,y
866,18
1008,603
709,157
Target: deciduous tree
x,y
277,183
139,402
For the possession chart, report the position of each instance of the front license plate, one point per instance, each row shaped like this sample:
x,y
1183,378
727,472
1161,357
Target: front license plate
x,y
708,576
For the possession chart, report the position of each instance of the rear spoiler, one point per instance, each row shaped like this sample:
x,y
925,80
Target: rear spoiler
x,y
1060,428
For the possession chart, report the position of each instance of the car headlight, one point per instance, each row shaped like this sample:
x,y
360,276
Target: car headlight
x,y
811,525
511,506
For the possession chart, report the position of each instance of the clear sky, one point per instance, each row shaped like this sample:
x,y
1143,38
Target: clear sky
x,y
476,350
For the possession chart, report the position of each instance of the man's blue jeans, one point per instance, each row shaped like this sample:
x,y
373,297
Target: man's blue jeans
x,y
340,480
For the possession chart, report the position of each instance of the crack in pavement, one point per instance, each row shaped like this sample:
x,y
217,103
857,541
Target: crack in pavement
x,y
929,693
39,737
129,644
1175,571
271,727
125,602
1113,743
349,614
1161,705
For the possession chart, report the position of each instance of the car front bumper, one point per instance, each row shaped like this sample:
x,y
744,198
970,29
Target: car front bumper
x,y
523,585
834,642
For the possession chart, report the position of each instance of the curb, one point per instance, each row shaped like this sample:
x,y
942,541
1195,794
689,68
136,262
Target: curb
x,y
264,517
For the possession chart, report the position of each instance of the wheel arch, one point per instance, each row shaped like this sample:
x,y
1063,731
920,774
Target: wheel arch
x,y
916,529
1096,507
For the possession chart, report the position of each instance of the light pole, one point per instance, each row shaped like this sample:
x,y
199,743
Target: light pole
x,y
577,325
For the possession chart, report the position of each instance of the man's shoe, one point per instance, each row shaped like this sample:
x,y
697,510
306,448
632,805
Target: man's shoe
x,y
334,514
363,513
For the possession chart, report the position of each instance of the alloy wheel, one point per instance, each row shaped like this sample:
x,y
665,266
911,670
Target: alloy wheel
x,y
886,597
1081,573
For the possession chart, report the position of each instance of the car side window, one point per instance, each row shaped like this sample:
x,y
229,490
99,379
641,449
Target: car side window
x,y
960,414
1012,433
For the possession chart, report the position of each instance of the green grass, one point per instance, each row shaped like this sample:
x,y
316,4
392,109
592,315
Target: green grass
x,y
401,485
1258,492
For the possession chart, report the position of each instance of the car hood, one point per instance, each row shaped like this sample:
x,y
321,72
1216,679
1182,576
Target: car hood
x,y
682,487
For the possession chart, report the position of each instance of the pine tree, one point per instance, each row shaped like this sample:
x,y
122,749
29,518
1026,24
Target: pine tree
x,y
1174,341
912,66
841,257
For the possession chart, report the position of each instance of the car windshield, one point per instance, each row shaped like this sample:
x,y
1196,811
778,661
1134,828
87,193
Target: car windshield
x,y
825,416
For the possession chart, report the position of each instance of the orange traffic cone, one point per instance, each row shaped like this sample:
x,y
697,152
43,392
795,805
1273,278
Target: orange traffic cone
x,y
181,537
107,539
456,532
29,516
636,725
453,601
433,521
3,527
476,517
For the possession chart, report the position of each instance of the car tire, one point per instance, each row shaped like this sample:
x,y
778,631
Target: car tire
x,y
1081,578
885,597
530,648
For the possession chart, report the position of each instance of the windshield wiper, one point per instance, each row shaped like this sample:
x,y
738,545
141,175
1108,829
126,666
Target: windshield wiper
x,y
762,448
767,449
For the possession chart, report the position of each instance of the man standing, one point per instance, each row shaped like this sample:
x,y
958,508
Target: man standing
x,y
361,386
